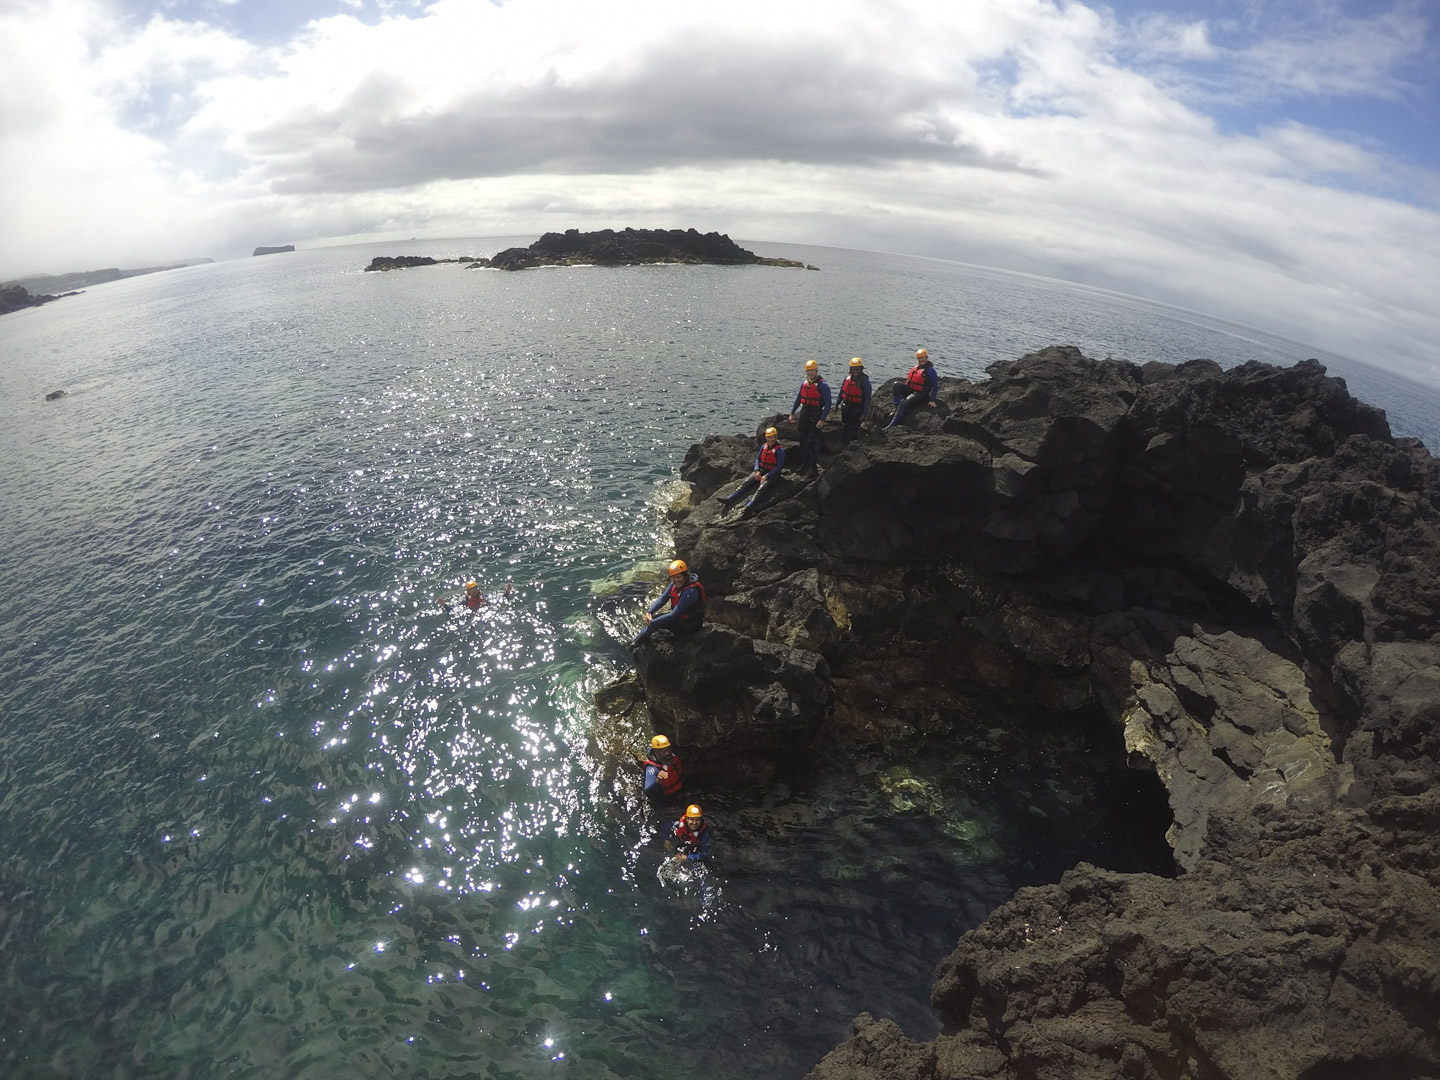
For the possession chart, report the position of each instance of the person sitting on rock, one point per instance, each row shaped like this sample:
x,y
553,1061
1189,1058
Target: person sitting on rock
x,y
921,384
662,770
854,401
690,838
812,405
769,460
686,597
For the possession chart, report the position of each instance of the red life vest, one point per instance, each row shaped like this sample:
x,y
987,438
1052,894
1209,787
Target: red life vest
x,y
671,783
767,456
684,838
473,602
810,393
695,617
916,380
851,392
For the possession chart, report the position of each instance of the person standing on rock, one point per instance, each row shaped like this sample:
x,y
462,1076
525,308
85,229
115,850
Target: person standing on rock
x,y
811,407
662,770
922,384
769,460
686,597
690,838
854,401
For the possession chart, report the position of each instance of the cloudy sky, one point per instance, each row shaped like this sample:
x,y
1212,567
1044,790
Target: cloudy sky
x,y
1275,162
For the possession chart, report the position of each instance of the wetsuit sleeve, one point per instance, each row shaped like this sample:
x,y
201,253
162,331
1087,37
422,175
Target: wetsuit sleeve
x,y
659,602
824,399
795,408
779,463
756,466
865,396
932,377
696,856
652,777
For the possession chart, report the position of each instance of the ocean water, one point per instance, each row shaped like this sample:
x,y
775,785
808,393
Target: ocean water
x,y
266,810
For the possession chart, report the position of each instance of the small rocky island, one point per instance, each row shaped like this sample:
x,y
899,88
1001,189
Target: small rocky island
x,y
1234,575
628,247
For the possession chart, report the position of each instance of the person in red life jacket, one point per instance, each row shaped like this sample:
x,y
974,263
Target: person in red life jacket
x,y
473,597
662,770
922,384
686,597
769,460
812,405
854,401
690,838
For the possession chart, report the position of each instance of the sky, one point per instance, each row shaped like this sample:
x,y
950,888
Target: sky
x,y
1271,162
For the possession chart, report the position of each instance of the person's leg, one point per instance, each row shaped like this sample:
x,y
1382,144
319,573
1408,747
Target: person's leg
x,y
755,499
809,442
739,493
902,407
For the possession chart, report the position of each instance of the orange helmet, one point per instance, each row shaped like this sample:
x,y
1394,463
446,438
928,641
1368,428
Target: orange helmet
x,y
921,354
811,365
855,362
678,567
693,811
772,433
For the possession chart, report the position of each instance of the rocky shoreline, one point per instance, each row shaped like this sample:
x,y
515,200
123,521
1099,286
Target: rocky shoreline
x,y
1234,573
17,297
606,247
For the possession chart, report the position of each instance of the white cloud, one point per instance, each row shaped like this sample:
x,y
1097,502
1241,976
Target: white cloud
x,y
1019,133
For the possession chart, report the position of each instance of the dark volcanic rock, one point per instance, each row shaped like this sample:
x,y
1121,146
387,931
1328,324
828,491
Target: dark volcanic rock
x,y
400,262
630,247
1312,951
1237,572
15,297
55,395
734,702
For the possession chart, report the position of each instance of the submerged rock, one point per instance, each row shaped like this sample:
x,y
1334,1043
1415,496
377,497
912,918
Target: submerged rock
x,y
1236,576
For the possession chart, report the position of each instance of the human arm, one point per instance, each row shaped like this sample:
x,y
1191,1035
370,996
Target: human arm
x,y
658,603
865,396
825,401
795,405
932,380
652,777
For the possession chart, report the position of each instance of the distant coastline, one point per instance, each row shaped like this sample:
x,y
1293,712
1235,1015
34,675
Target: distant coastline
x,y
606,247
40,289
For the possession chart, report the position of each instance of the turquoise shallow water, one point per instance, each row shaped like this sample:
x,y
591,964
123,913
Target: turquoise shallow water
x,y
266,811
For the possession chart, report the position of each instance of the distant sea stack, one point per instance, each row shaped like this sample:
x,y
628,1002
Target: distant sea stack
x,y
274,250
